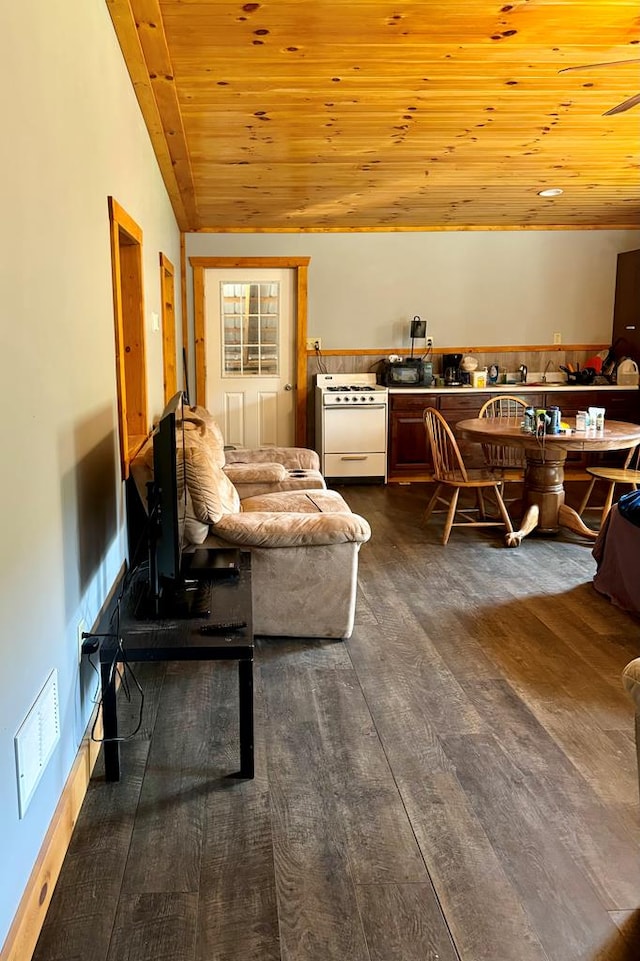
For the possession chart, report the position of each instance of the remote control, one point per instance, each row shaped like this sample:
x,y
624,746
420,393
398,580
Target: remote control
x,y
222,627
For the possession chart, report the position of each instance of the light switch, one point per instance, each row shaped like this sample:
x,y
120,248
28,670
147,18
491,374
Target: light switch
x,y
155,321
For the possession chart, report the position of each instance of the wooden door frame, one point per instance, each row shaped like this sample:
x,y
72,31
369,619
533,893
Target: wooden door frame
x,y
169,341
301,267
128,310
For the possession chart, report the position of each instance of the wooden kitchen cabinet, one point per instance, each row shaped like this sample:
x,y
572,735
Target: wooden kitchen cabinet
x,y
626,309
409,457
410,460
457,407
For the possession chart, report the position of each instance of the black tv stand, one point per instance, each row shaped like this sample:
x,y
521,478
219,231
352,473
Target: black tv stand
x,y
168,637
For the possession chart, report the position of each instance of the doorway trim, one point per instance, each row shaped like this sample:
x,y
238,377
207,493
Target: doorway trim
x,y
128,311
301,267
168,307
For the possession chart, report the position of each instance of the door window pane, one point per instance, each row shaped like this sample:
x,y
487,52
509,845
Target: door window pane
x,y
250,329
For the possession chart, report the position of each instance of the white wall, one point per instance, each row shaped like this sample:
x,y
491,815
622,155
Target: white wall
x,y
472,287
72,134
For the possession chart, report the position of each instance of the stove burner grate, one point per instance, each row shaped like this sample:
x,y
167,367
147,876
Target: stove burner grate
x,y
352,388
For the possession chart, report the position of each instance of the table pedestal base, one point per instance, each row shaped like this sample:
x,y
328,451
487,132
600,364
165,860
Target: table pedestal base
x,y
544,508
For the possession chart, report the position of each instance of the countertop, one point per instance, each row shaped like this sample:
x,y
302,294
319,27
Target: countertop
x,y
513,389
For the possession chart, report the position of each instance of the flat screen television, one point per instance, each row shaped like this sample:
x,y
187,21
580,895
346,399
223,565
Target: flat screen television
x,y
168,592
177,582
167,506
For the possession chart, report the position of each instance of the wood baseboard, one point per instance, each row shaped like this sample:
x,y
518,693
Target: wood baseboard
x,y
27,924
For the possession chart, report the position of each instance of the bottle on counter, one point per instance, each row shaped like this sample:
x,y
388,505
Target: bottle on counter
x,y
479,378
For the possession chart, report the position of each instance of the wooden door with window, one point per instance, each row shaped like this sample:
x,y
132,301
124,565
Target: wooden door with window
x,y
250,354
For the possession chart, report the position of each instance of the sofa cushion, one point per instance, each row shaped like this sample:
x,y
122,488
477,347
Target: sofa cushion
x,y
211,491
293,518
292,529
208,428
292,458
195,531
300,501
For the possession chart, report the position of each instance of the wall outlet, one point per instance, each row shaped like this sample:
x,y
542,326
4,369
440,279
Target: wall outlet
x,y
81,628
429,343
314,343
557,337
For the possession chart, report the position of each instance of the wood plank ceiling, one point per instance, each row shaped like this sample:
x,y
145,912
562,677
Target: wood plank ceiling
x,y
376,115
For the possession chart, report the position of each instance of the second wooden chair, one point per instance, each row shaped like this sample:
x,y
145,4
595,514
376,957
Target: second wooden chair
x,y
449,472
627,474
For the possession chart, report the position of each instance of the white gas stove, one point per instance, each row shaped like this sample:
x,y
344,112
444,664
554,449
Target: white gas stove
x,y
351,426
350,389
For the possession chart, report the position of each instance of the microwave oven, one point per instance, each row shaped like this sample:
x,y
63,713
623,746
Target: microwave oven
x,y
412,372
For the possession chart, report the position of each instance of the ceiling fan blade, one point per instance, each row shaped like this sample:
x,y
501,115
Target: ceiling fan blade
x,y
625,105
607,63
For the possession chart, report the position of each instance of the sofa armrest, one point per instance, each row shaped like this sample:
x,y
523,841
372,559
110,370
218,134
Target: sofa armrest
x,y
292,458
267,473
291,529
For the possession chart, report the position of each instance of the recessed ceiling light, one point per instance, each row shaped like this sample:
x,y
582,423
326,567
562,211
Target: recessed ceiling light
x,y
551,192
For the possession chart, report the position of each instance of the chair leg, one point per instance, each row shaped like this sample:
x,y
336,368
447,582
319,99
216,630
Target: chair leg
x,y
504,513
585,499
482,513
451,514
432,503
607,504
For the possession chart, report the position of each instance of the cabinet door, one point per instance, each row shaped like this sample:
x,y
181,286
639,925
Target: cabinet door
x,y
408,453
626,310
457,407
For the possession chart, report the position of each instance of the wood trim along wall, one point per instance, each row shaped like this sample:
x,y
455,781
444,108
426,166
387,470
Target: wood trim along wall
x,y
425,229
301,266
533,348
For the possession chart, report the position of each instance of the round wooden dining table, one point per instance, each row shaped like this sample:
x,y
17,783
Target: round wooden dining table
x,y
544,509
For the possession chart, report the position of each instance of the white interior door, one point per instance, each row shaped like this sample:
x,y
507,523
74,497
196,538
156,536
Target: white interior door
x,y
250,354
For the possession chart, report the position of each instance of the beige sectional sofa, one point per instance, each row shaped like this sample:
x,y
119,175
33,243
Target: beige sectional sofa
x,y
304,539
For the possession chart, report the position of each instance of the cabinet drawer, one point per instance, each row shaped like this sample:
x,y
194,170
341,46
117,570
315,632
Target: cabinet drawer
x,y
355,465
468,404
412,401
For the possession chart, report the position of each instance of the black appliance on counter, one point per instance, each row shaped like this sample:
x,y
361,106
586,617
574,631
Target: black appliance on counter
x,y
407,372
453,375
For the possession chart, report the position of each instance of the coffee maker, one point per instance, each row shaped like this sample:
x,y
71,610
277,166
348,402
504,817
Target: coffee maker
x,y
451,370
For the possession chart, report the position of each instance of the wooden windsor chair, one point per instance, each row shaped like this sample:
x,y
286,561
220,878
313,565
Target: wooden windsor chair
x,y
627,474
507,462
450,473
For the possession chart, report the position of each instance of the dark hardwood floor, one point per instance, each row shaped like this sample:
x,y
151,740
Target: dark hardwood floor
x,y
456,781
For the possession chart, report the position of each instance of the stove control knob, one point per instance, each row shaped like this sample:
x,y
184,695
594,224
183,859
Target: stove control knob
x,y
355,400
338,399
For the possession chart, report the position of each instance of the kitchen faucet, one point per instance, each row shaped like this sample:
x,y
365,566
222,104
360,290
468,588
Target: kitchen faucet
x,y
523,373
546,368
